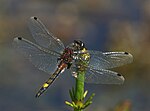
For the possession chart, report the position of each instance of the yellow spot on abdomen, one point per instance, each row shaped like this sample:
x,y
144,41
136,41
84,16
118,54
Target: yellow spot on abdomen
x,y
45,85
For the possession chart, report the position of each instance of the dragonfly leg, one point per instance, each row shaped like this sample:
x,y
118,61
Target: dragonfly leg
x,y
69,65
58,59
74,74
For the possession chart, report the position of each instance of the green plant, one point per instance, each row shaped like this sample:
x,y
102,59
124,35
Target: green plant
x,y
78,94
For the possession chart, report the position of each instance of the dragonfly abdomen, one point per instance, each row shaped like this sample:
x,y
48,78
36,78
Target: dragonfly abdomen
x,y
51,79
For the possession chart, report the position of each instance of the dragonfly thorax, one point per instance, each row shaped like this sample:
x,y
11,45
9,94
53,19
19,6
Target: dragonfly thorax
x,y
67,55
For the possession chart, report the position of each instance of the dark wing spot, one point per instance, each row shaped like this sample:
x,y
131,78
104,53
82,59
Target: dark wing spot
x,y
35,18
118,74
126,53
19,38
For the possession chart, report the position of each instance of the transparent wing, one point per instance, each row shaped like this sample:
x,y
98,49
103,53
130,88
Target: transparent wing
x,y
107,60
43,59
43,37
103,76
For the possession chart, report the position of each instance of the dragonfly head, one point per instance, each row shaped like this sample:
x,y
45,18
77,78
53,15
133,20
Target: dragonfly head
x,y
78,45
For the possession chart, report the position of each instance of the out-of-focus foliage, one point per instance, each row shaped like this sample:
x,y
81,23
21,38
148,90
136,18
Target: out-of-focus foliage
x,y
124,106
107,25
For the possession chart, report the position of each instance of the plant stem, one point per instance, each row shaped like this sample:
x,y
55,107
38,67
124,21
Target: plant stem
x,y
78,110
79,88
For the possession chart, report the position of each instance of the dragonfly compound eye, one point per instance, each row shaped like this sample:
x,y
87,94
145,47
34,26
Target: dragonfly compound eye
x,y
79,44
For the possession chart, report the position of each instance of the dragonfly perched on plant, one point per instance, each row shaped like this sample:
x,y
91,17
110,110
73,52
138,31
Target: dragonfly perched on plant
x,y
50,55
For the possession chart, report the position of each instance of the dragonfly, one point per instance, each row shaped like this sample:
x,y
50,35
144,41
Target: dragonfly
x,y
49,54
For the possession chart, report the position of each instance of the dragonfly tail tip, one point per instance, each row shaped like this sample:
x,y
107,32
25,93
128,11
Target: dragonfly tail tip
x,y
37,95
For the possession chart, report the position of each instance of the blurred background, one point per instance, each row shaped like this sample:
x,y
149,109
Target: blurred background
x,y
104,25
